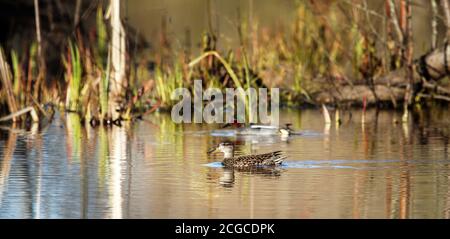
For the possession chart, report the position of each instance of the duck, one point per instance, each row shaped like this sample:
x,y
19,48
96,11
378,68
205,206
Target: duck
x,y
234,124
287,131
260,130
247,161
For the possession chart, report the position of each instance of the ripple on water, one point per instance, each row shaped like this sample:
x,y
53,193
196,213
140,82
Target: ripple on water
x,y
164,172
339,164
290,164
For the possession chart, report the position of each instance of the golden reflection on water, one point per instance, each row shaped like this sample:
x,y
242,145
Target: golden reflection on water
x,y
156,169
6,162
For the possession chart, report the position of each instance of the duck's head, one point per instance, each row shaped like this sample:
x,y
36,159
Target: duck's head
x,y
235,124
284,132
226,148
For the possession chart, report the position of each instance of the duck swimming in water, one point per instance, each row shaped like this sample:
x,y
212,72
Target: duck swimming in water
x,y
258,130
229,160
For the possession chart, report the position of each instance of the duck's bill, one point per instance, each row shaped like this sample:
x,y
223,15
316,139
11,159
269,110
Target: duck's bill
x,y
227,125
212,150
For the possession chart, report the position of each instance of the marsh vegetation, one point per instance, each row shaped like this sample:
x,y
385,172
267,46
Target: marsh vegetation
x,y
85,86
98,65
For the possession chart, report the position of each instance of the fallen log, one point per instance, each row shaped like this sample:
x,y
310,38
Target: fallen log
x,y
356,94
391,87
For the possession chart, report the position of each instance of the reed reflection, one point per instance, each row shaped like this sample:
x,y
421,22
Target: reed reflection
x,y
8,152
158,170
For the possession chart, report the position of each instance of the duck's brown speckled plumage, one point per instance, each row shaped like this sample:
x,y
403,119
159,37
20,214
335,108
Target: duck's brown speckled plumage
x,y
267,159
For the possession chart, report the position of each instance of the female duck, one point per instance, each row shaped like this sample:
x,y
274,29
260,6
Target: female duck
x,y
229,160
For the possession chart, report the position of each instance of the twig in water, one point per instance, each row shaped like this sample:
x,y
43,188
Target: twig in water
x,y
326,115
30,109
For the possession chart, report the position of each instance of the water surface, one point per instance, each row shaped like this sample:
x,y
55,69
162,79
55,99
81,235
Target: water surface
x,y
157,169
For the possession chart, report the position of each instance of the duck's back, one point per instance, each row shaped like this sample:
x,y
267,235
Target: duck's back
x,y
267,159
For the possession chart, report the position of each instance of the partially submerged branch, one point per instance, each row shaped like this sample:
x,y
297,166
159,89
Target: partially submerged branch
x,y
326,115
118,52
14,115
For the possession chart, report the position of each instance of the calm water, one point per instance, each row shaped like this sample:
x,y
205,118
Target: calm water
x,y
156,169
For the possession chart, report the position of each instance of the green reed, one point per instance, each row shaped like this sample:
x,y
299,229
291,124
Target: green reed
x,y
73,77
296,58
167,82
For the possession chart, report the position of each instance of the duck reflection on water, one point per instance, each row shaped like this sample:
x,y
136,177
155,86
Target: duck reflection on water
x,y
228,176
